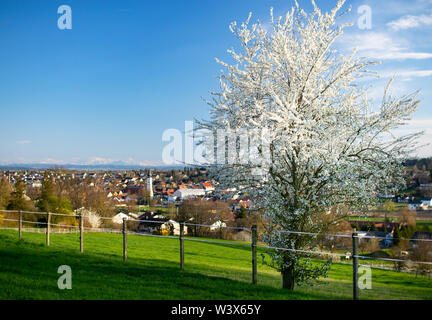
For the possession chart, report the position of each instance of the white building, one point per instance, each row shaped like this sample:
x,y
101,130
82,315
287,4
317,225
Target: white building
x,y
175,226
424,204
118,218
217,225
187,193
208,187
133,215
172,198
427,203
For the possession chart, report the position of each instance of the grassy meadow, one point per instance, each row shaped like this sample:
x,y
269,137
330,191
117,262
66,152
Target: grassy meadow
x,y
28,270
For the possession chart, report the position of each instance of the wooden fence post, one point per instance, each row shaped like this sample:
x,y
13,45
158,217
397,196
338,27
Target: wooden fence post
x,y
355,265
124,240
48,229
181,245
20,225
81,218
254,253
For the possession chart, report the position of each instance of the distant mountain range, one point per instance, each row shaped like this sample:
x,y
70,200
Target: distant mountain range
x,y
120,165
108,166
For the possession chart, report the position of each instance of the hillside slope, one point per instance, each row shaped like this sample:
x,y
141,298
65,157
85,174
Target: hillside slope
x,y
212,271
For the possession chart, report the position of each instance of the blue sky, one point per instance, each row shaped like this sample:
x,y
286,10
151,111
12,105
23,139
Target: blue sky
x,y
106,90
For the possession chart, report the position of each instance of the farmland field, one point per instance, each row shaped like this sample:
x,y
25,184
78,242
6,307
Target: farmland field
x,y
28,270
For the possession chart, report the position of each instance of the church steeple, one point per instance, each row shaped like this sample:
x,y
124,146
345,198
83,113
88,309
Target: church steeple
x,y
150,184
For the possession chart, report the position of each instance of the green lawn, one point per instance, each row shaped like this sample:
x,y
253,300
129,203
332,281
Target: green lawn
x,y
371,219
424,223
391,219
28,270
144,208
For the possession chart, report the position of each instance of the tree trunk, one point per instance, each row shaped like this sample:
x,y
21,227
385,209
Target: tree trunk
x,y
288,280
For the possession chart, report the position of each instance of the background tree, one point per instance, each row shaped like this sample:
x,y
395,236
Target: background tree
x,y
49,202
396,236
202,212
5,193
399,251
171,210
83,195
422,253
426,193
316,140
389,206
368,245
242,213
327,240
407,218
407,231
143,196
17,199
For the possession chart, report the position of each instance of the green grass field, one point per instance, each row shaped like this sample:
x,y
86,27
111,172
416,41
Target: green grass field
x,y
28,270
391,219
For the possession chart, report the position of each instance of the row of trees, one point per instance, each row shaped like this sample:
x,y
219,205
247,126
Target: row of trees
x,y
60,197
424,164
14,197
208,212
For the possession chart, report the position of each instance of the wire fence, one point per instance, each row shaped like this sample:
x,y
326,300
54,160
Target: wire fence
x,y
82,223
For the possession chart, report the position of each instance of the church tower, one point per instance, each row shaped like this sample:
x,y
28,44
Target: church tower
x,y
150,184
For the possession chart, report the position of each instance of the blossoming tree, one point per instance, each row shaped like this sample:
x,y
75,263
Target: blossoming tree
x,y
316,145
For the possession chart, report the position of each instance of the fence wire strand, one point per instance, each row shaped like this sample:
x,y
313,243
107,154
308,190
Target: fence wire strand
x,y
110,230
223,227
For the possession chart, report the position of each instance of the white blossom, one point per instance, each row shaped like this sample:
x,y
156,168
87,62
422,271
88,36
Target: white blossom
x,y
324,148
91,219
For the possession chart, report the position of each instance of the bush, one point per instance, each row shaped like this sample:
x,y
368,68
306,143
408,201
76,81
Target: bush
x,y
368,245
422,253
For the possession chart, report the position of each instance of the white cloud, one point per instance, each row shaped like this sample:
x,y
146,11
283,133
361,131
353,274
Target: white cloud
x,y
78,161
23,141
51,161
99,160
417,125
407,74
382,46
425,151
416,73
420,125
409,22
